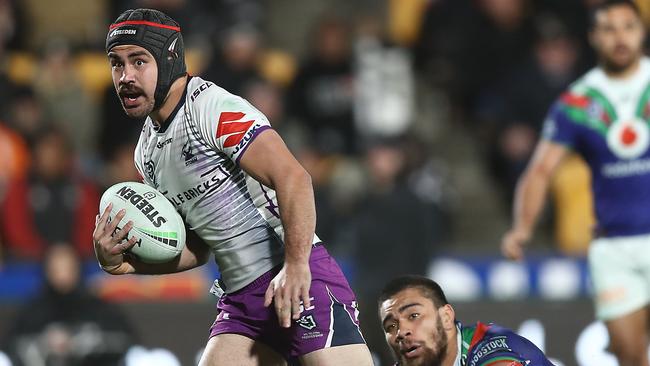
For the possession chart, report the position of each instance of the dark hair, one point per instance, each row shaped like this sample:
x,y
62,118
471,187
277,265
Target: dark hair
x,y
606,5
429,288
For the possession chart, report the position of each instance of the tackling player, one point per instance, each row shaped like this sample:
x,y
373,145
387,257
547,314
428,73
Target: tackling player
x,y
604,116
422,330
245,199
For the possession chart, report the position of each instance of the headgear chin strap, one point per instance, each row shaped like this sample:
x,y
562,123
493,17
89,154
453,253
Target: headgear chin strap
x,y
160,35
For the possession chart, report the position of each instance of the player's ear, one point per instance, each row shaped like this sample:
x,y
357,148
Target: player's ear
x,y
448,316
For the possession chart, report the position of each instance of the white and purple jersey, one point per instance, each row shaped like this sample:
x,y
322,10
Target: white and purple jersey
x,y
194,161
606,121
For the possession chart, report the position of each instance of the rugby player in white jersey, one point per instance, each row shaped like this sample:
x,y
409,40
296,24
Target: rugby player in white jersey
x,y
604,117
244,198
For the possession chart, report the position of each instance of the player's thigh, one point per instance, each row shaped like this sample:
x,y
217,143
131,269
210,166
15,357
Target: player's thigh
x,y
629,335
351,354
617,271
234,349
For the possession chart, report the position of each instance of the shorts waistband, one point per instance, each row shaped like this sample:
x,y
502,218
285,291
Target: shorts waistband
x,y
267,276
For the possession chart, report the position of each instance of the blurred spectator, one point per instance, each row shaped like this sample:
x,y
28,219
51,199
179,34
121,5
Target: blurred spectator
x,y
338,184
15,157
500,42
200,18
391,218
574,15
384,85
321,97
395,232
64,100
81,23
7,88
120,166
7,31
468,47
269,99
8,26
51,205
234,65
526,95
66,324
26,114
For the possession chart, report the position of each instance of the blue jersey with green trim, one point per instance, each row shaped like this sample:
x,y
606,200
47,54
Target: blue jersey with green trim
x,y
606,121
485,344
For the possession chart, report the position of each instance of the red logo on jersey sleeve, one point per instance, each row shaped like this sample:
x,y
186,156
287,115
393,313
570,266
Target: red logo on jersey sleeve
x,y
231,124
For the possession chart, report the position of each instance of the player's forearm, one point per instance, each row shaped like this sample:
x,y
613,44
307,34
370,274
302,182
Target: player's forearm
x,y
185,261
193,255
530,197
298,215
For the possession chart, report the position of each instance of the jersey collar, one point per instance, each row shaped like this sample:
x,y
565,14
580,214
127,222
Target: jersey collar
x,y
181,102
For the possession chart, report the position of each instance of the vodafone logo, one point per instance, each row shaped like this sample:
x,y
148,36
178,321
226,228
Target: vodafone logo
x,y
628,139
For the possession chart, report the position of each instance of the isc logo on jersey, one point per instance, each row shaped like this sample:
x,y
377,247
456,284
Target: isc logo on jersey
x,y
628,138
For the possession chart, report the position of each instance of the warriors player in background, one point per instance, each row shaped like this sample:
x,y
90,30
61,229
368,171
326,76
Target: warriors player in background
x,y
422,330
604,116
244,198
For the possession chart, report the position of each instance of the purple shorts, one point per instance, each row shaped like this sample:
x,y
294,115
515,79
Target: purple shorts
x,y
331,321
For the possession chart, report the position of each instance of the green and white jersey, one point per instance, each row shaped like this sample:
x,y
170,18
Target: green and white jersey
x,y
607,122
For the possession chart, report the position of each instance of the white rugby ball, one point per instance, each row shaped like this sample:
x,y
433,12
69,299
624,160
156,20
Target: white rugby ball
x,y
159,229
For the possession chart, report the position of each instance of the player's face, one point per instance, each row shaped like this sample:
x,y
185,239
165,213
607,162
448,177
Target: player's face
x,y
414,329
618,38
135,75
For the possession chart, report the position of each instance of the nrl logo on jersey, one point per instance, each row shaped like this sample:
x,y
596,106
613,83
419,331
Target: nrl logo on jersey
x,y
188,155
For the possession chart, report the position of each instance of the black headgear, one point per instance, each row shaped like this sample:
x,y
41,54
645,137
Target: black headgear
x,y
157,33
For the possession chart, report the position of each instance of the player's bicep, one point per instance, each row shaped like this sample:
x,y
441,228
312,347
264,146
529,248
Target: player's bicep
x,y
268,159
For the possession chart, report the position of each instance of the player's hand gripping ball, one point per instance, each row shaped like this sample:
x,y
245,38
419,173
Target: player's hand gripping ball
x,y
158,228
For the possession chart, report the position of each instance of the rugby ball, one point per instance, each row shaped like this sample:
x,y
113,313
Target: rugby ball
x,y
159,229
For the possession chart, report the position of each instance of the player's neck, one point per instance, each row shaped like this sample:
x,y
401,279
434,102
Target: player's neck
x,y
625,73
173,97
